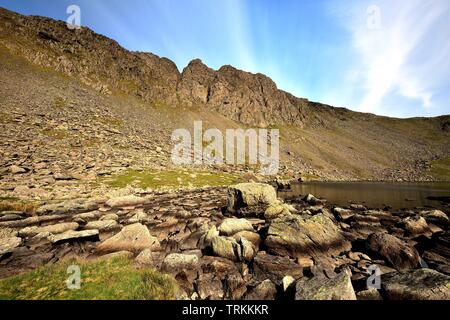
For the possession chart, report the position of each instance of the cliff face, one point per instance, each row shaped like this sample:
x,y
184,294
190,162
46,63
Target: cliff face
x,y
252,99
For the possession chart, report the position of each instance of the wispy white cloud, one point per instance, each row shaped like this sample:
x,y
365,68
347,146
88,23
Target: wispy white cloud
x,y
404,56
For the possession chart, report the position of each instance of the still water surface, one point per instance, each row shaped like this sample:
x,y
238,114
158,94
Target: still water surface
x,y
375,194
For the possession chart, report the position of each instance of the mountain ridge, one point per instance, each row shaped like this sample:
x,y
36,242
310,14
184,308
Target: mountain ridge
x,y
249,98
317,140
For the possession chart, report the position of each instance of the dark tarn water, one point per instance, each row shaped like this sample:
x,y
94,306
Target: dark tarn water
x,y
398,195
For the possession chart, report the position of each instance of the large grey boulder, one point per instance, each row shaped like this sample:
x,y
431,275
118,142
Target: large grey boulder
x,y
420,284
134,238
296,236
249,194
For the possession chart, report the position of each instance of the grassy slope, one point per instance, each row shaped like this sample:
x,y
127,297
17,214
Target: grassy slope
x,y
114,279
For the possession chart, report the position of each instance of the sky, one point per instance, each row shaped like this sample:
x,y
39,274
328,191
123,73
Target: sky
x,y
385,57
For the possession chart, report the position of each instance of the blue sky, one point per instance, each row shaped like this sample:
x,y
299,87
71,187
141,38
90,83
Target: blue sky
x,y
385,57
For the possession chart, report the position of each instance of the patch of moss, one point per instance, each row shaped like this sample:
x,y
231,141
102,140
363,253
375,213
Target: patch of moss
x,y
173,179
113,279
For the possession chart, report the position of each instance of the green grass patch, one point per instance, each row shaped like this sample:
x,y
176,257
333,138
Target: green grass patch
x,y
114,279
172,179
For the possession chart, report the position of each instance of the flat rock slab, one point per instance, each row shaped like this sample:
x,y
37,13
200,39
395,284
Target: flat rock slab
x,y
68,207
101,225
126,201
73,235
54,229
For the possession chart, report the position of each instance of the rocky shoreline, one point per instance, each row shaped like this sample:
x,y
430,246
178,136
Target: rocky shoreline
x,y
242,242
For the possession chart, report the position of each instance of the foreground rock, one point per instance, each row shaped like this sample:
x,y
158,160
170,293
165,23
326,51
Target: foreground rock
x,y
311,237
399,254
134,238
337,288
421,284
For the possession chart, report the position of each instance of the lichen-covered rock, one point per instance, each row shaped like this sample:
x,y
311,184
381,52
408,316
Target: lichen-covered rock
x,y
321,288
134,238
296,236
178,261
399,254
420,284
231,226
250,194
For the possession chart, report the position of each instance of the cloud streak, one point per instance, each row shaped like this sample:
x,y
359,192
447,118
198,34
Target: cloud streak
x,y
396,57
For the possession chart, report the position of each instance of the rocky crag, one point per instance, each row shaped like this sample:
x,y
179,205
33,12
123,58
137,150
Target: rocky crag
x,y
83,84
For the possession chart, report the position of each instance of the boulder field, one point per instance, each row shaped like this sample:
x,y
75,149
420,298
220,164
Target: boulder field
x,y
243,242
